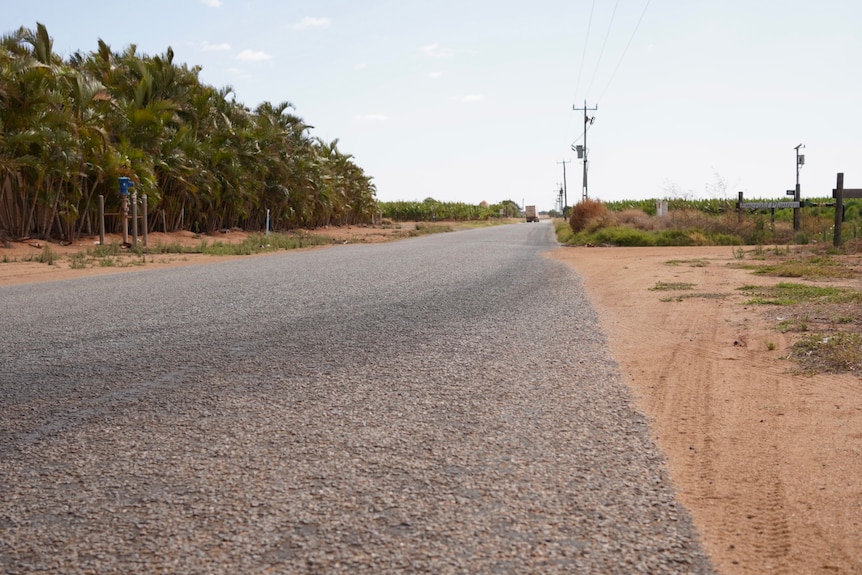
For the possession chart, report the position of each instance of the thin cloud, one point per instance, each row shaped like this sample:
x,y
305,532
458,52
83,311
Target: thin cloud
x,y
239,72
253,56
469,98
311,22
223,47
361,66
436,51
371,117
434,75
212,3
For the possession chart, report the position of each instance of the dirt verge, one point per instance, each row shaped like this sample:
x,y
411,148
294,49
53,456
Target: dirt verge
x,y
18,261
768,461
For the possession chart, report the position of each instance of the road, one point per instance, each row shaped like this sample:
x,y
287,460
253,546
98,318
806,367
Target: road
x,y
443,404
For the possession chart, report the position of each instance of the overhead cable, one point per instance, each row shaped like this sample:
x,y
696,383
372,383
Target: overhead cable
x,y
586,42
602,51
625,51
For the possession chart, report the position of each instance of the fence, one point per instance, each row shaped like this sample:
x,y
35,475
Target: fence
x,y
771,206
840,194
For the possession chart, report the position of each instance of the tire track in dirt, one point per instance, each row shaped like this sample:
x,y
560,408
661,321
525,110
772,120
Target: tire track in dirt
x,y
753,527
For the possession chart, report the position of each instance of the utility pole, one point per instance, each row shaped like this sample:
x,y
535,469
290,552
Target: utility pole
x,y
797,196
565,187
587,120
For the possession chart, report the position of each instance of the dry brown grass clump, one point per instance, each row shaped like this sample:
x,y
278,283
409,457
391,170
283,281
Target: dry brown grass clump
x,y
853,246
640,220
586,212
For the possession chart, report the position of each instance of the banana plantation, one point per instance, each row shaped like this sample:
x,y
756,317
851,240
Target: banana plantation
x,y
69,128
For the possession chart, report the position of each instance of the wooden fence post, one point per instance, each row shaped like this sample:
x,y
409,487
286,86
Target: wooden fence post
x,y
838,194
101,220
146,219
135,219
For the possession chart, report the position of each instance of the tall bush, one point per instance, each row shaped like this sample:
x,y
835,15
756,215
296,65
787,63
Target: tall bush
x,y
585,212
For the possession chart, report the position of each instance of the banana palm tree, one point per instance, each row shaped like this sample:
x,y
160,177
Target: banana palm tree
x,y
35,130
68,129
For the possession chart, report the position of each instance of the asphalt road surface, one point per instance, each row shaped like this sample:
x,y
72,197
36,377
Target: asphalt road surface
x,y
443,404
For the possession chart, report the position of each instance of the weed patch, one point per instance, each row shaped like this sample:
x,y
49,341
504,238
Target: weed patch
x,y
838,352
793,325
170,248
685,296
812,268
427,229
101,251
47,256
78,261
695,263
792,293
672,286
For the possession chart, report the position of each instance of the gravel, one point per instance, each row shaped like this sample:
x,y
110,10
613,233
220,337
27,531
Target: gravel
x,y
444,404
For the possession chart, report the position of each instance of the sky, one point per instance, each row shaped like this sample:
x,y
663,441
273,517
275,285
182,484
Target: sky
x,y
473,100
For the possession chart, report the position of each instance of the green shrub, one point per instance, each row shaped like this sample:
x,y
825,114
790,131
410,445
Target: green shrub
x,y
675,237
565,235
720,239
620,236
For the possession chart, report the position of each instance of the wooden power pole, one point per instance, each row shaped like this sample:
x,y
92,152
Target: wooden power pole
x,y
587,120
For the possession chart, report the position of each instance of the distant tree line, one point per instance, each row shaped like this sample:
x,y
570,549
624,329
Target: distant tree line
x,y
431,210
70,128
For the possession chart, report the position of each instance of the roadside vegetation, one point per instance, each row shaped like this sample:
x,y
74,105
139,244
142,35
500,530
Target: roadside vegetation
x,y
115,254
826,320
701,223
71,126
431,210
815,300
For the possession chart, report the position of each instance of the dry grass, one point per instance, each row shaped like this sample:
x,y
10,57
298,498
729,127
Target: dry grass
x,y
827,318
640,220
589,214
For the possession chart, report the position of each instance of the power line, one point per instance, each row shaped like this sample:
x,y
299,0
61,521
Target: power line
x,y
625,51
602,51
583,135
586,43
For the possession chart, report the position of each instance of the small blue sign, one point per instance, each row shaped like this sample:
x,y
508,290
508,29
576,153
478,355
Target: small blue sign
x,y
125,184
